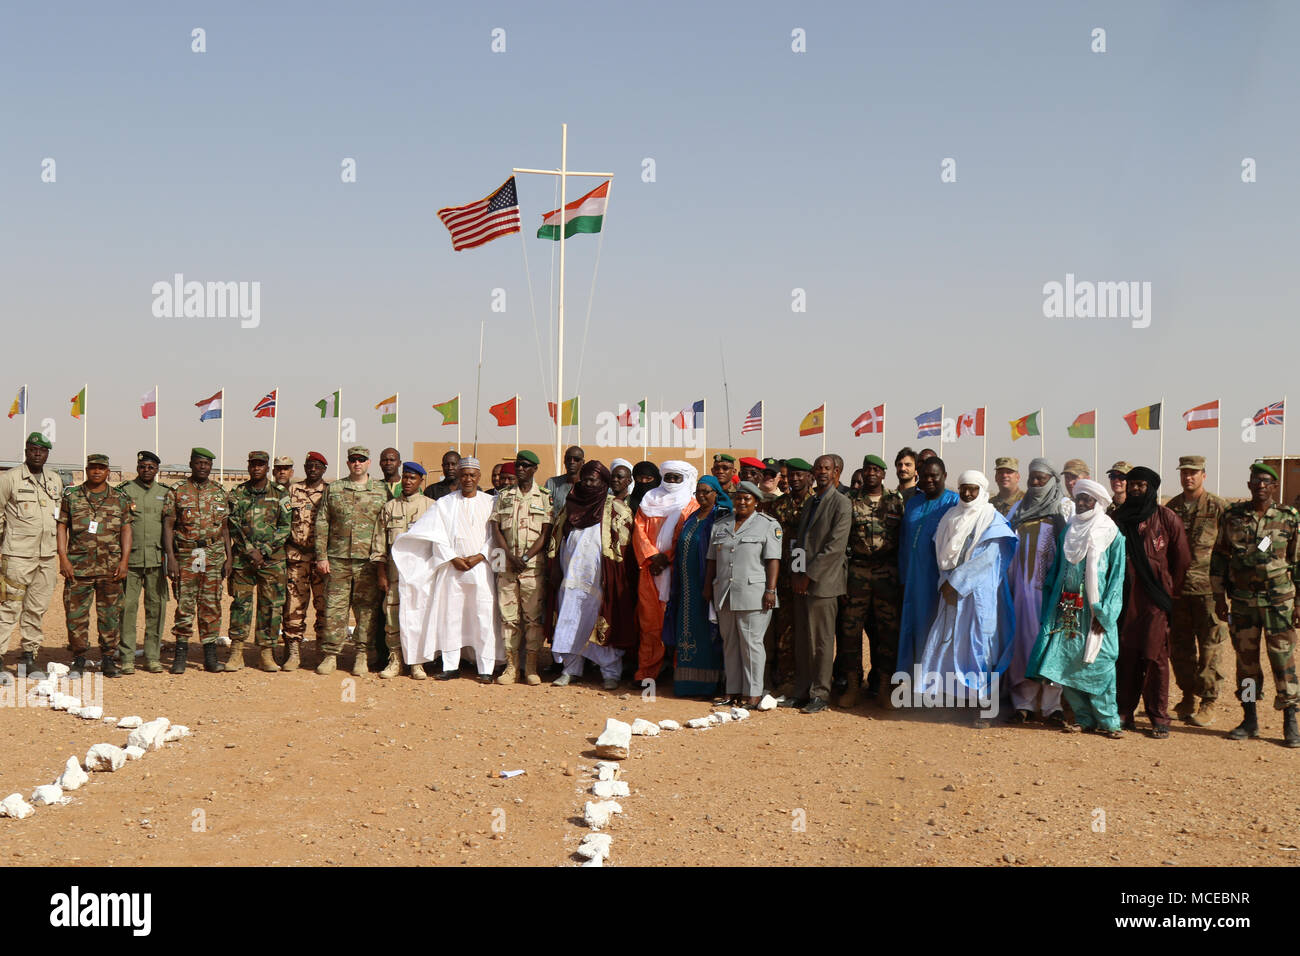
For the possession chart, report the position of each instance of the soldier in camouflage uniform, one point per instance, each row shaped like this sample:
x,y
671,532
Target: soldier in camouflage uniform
x,y
521,526
259,527
146,567
94,543
780,633
1255,555
306,585
397,517
1195,633
874,597
345,529
197,541
1006,472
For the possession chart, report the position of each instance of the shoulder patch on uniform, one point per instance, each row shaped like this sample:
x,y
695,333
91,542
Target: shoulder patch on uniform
x,y
778,531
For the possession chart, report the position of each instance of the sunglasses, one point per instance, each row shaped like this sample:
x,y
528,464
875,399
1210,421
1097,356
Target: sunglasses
x,y
355,458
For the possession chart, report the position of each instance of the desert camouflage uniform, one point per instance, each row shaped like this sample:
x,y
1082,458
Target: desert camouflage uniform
x,y
874,598
305,584
1195,633
780,633
396,518
1261,585
259,521
198,519
94,556
345,529
521,516
1004,505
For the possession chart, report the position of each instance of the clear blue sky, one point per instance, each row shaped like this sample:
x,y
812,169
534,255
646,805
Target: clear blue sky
x,y
775,170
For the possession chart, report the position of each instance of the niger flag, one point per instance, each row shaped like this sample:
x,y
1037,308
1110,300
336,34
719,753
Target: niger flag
x,y
1147,419
814,423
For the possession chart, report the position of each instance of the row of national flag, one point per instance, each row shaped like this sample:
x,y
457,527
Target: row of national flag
x,y
497,215
1147,418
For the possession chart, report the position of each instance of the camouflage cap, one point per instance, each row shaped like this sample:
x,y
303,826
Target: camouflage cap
x,y
96,460
1077,467
1266,469
1121,468
1191,463
200,452
361,450
1006,462
283,461
36,438
260,456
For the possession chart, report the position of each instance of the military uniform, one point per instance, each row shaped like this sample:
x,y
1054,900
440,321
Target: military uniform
x,y
259,522
95,521
521,517
29,512
1004,504
145,570
198,514
1254,564
396,518
739,583
1196,633
779,644
874,599
305,584
345,529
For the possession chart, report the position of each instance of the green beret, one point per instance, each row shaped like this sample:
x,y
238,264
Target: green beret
x,y
36,438
525,455
361,450
262,456
198,452
875,460
1266,469
721,456
96,460
797,464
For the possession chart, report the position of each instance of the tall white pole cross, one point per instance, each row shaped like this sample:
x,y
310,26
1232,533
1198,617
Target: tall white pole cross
x,y
564,173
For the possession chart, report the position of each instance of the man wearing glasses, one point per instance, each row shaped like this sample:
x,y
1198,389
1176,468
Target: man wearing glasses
x,y
560,485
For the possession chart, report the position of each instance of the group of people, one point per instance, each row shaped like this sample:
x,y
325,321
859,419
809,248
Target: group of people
x,y
760,577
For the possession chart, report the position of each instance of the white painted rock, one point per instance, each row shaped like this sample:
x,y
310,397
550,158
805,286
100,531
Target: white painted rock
x,y
607,771
739,713
110,720
719,717
73,776
610,788
91,713
45,688
16,807
669,725
130,723
175,732
64,701
47,794
595,846
57,670
644,728
149,736
105,757
616,739
599,814
133,753
699,723
594,861
224,639
767,703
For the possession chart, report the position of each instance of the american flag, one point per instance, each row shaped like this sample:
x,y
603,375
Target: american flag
x,y
753,420
266,407
485,220
870,421
1270,414
930,424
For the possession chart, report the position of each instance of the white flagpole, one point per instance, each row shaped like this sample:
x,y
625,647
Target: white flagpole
x,y
823,428
458,418
516,423
941,431
85,416
1096,456
155,422
27,400
1281,475
1042,434
1161,459
338,438
275,422
645,428
397,422
577,414
704,433
762,428
984,455
221,466
884,453
1218,449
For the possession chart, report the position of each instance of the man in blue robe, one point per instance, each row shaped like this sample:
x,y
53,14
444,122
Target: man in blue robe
x,y
918,569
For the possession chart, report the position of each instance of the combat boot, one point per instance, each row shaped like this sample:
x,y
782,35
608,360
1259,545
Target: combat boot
x,y
394,666
181,657
849,698
27,666
509,675
359,663
268,663
78,666
292,660
327,664
531,677
236,659
417,672
1290,733
210,662
1249,726
1202,717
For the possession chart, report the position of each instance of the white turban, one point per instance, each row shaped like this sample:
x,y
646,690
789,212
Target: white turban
x,y
967,521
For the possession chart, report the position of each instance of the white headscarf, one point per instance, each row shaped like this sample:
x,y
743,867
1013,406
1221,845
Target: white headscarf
x,y
620,461
967,520
1088,536
667,501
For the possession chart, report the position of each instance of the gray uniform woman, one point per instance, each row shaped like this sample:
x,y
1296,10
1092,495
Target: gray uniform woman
x,y
743,560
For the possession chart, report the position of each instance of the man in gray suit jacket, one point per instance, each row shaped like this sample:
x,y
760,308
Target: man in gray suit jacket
x,y
819,566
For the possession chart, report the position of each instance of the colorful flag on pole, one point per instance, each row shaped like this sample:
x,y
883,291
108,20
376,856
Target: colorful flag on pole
x,y
19,405
329,406
692,416
584,214
79,403
149,403
209,408
1144,419
814,423
930,424
450,411
490,218
1023,427
753,420
1270,414
1085,426
507,413
266,407
569,414
388,410
971,423
633,415
1202,416
872,421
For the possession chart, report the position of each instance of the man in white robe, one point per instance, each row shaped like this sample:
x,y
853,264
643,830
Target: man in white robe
x,y
448,589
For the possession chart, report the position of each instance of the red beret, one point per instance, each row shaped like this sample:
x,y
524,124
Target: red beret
x,y
753,463
316,456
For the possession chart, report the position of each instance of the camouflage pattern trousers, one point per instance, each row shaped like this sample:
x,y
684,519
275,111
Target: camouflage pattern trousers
x,y
353,584
1274,623
520,595
392,612
269,583
1195,638
106,594
199,596
306,586
873,604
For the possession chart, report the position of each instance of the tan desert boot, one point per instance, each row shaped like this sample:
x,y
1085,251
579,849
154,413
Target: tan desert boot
x,y
236,659
327,664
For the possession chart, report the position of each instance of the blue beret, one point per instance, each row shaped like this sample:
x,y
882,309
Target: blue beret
x,y
416,467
